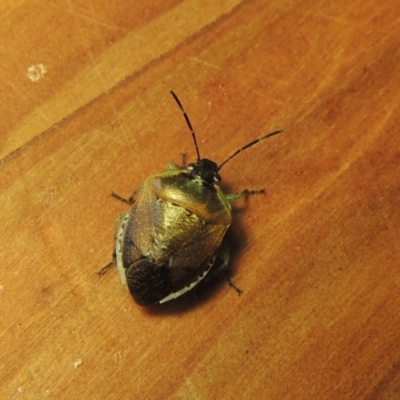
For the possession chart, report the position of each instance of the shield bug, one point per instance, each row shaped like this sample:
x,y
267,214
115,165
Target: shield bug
x,y
169,240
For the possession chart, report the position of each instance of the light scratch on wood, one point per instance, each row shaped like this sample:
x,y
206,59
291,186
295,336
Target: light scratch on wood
x,y
204,62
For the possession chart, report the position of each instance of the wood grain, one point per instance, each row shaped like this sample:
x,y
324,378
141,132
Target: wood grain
x,y
86,109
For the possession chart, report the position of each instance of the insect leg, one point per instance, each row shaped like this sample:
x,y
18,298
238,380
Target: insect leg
x,y
131,199
172,165
224,255
183,160
244,193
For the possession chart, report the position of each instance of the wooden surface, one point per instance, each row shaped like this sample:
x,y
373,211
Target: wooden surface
x,y
86,109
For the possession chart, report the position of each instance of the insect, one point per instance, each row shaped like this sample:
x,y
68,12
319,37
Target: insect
x,y
170,239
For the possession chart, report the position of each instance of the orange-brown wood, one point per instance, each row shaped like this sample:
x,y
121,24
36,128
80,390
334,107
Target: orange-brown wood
x,y
86,109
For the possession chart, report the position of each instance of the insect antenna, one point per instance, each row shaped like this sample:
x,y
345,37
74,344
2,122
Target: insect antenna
x,y
188,123
249,145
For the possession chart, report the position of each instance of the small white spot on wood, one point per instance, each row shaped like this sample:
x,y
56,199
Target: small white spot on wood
x,y
36,72
119,356
78,363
